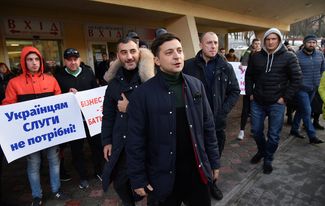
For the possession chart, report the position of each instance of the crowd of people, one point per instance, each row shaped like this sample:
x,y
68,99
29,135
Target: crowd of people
x,y
164,116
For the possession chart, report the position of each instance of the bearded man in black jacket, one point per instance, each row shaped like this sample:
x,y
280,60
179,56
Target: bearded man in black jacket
x,y
133,67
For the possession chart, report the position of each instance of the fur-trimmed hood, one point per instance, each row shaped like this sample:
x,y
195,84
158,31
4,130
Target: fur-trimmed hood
x,y
146,66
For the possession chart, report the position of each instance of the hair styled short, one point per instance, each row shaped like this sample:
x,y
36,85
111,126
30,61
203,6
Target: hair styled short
x,y
125,40
254,40
4,65
155,46
205,33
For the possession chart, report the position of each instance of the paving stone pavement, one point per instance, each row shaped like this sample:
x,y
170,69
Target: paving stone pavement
x,y
241,182
298,178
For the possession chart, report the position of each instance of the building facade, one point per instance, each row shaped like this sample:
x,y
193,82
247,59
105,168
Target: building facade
x,y
94,26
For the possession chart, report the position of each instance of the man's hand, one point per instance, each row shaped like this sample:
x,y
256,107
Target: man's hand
x,y
122,105
107,151
281,100
251,97
73,90
141,191
215,174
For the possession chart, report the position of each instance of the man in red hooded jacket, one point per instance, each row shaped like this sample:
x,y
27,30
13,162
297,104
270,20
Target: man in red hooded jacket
x,y
33,83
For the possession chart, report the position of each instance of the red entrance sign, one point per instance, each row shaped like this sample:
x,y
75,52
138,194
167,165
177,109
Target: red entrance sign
x,y
29,26
100,32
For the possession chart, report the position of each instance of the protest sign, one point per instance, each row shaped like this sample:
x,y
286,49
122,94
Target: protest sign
x,y
91,105
30,126
240,75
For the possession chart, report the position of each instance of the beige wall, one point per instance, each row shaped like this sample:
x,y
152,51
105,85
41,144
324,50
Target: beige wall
x,y
200,10
73,31
185,29
73,36
185,26
260,34
2,51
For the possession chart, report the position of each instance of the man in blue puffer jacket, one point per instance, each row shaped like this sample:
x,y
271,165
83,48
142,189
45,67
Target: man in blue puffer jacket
x,y
312,64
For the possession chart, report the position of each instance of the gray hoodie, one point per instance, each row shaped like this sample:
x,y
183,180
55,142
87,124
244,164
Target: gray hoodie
x,y
270,61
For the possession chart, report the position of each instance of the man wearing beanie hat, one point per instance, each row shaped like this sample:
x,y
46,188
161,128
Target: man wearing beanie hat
x,y
312,64
310,37
273,76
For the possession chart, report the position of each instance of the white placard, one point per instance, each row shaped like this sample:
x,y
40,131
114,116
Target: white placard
x,y
34,125
91,105
240,75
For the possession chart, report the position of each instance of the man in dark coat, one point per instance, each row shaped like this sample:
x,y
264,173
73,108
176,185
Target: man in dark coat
x,y
101,69
124,77
246,108
273,76
73,78
221,86
172,149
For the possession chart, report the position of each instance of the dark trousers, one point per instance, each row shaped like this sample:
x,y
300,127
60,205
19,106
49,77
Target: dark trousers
x,y
78,156
291,108
221,136
121,181
220,125
187,189
245,112
316,106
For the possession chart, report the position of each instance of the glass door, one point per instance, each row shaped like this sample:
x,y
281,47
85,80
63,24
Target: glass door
x,y
50,49
97,49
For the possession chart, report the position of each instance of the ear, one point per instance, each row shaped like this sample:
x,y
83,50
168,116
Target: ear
x,y
200,45
156,60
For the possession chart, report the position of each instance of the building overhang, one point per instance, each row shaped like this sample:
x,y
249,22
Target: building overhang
x,y
230,16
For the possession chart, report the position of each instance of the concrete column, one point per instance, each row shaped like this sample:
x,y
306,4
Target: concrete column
x,y
3,50
226,42
259,34
73,34
185,28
